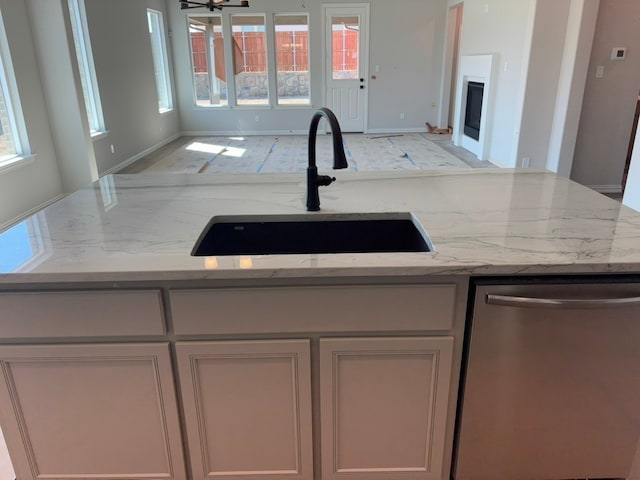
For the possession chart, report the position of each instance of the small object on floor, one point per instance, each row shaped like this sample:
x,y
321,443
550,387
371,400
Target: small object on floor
x,y
439,131
405,155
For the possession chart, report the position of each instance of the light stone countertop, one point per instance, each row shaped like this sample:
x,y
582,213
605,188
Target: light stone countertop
x,y
142,227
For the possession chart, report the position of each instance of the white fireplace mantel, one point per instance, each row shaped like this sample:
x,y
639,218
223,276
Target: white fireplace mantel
x,y
474,68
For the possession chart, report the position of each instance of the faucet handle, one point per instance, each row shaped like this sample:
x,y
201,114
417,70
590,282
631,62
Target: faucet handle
x,y
325,180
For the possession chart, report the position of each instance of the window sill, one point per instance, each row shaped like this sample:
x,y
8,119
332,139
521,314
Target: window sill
x,y
166,111
16,162
293,106
211,107
99,135
252,107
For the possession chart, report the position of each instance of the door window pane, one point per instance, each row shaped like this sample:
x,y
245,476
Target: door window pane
x,y
250,59
345,47
207,58
292,59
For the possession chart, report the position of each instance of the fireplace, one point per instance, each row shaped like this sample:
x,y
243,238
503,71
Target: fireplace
x,y
473,111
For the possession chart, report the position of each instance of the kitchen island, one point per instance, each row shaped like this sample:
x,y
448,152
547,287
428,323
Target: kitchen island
x,y
116,340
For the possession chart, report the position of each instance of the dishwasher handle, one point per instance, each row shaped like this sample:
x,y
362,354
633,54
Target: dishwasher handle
x,y
536,302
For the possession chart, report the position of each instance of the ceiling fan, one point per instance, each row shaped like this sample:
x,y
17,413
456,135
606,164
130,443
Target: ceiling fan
x,y
210,4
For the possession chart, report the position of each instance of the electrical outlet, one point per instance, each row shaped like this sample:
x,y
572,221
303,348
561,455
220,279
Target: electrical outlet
x,y
600,71
526,162
401,115
434,104
113,149
257,118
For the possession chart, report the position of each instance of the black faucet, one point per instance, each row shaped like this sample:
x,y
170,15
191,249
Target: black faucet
x,y
339,159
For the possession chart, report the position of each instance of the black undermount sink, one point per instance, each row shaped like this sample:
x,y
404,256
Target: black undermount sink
x,y
314,233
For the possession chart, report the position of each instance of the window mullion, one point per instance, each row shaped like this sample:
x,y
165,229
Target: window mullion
x,y
272,67
229,61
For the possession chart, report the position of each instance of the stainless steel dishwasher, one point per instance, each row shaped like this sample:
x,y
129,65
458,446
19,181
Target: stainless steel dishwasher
x,y
551,382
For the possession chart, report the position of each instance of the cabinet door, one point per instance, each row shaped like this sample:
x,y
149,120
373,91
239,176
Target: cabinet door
x,y
91,411
384,407
247,408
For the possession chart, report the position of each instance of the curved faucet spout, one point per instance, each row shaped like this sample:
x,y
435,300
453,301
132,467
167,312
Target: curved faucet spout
x,y
339,158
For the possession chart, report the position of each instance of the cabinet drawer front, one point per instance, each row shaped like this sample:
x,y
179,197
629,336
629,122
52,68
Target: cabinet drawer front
x,y
314,309
81,314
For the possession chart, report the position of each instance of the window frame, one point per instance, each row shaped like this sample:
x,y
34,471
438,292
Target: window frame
x,y
88,77
269,59
9,85
269,26
274,61
211,69
163,84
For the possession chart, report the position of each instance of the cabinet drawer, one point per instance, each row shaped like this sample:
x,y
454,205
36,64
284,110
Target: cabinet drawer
x,y
313,309
81,314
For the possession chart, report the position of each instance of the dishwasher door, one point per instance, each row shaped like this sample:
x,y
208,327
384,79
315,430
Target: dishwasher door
x,y
552,383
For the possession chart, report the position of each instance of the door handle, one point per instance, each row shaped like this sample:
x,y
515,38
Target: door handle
x,y
534,302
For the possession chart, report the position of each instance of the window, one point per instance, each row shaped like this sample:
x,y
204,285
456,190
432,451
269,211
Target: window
x,y
85,64
345,47
207,60
238,52
250,59
160,60
292,59
13,138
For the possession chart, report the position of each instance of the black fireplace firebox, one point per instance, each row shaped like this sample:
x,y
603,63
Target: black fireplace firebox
x,y
473,112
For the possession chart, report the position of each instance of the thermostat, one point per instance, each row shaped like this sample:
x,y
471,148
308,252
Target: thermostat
x,y
618,53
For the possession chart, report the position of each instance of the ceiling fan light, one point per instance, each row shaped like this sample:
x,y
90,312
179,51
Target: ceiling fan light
x,y
210,4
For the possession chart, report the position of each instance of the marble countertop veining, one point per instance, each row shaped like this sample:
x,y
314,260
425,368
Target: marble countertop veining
x,y
142,227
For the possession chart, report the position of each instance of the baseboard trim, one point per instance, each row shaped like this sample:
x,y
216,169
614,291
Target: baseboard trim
x,y
143,153
14,221
374,131
228,133
606,188
377,131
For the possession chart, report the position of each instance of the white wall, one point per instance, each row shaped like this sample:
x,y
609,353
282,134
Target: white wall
x,y
406,41
26,187
545,61
126,79
609,102
67,113
501,27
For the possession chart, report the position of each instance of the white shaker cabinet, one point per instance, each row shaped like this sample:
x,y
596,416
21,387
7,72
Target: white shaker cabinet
x,y
384,407
247,407
91,411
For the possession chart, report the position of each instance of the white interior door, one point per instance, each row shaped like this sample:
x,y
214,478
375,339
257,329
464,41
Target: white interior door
x,y
346,47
